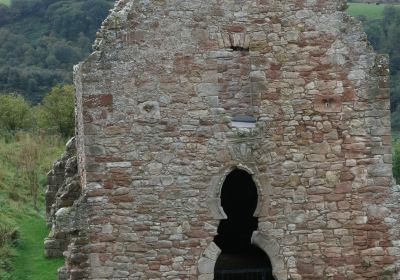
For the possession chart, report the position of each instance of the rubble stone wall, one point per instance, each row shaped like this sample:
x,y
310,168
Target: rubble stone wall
x,y
63,189
159,109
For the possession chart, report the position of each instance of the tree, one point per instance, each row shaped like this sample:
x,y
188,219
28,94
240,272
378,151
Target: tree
x,y
57,111
396,160
15,113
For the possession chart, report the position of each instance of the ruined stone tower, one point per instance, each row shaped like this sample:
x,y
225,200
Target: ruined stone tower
x,y
231,137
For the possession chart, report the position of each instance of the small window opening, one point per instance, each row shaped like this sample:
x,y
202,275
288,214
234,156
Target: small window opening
x,y
240,259
244,121
328,102
239,49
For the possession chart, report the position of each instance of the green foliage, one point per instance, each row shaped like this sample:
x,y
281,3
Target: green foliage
x,y
27,160
55,115
370,11
29,262
57,111
41,40
8,237
396,159
5,2
15,113
6,255
22,227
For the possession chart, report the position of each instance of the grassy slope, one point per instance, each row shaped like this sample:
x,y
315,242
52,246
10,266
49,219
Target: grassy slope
x,y
371,11
16,206
6,2
30,262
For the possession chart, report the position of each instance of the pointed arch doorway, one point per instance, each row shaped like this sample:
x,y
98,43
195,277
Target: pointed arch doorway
x,y
239,259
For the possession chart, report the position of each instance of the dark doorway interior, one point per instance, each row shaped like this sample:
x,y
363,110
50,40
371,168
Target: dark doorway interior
x,y
240,259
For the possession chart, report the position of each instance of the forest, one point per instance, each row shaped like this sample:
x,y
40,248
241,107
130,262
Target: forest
x,y
41,40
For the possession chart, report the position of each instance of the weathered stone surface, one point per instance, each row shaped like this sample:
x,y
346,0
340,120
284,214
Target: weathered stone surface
x,y
155,105
62,191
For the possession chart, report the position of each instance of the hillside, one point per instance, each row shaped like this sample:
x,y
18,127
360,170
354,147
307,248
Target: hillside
x,y
369,11
25,159
41,40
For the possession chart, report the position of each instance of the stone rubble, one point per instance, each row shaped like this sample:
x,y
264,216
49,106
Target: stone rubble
x,y
62,191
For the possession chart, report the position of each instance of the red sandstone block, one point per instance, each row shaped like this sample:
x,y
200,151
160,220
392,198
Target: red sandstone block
x,y
349,94
105,237
345,187
374,235
99,220
122,198
385,243
154,265
346,176
388,259
352,259
101,100
108,159
153,274
197,234
378,251
335,197
386,140
360,242
119,220
235,28
305,268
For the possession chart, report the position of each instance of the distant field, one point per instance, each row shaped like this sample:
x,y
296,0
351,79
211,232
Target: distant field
x,y
371,11
7,2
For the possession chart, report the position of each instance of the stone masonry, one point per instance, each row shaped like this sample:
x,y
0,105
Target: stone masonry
x,y
178,93
63,189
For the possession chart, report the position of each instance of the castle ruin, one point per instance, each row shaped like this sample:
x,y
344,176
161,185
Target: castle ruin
x,y
232,138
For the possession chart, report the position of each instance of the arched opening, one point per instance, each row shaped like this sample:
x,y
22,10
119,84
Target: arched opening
x,y
240,259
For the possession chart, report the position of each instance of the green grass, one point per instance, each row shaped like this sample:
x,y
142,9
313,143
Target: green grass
x,y
17,208
30,262
5,2
370,11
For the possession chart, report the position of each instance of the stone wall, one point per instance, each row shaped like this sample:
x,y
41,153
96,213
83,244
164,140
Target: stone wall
x,y
62,191
159,109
